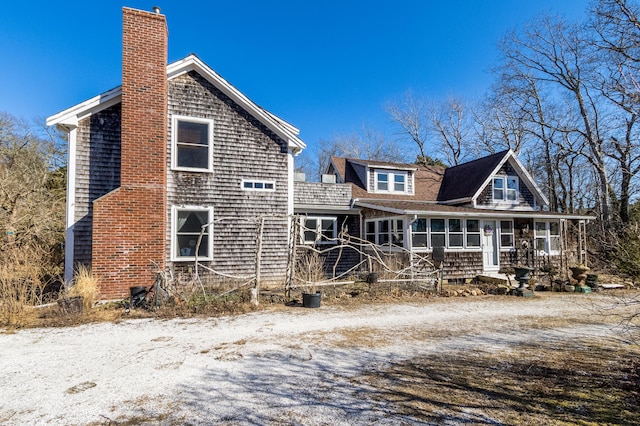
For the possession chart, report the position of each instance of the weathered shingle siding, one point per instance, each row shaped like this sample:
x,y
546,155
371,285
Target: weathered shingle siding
x,y
242,148
323,194
526,198
97,172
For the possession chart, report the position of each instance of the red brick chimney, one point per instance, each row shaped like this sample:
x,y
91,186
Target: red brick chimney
x,y
129,223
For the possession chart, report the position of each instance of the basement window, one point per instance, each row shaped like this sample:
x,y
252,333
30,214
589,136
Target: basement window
x,y
192,141
187,224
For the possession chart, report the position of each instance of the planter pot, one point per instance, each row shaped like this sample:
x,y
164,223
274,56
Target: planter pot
x,y
372,278
311,300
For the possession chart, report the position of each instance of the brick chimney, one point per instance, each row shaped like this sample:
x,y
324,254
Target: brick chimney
x,y
129,223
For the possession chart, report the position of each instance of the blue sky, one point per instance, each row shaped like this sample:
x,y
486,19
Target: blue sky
x,y
326,67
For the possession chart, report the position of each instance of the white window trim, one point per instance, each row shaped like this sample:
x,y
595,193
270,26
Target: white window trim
x,y
391,174
465,247
547,236
253,182
505,190
175,257
392,229
333,238
512,233
174,143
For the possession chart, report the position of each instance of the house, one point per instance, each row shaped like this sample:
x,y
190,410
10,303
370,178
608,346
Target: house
x,y
172,166
484,215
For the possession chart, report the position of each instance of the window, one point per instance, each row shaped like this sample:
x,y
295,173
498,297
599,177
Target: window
x,y
506,233
498,189
258,185
456,236
382,180
187,223
473,233
505,188
419,233
438,233
192,144
391,182
386,231
512,188
319,229
399,183
547,236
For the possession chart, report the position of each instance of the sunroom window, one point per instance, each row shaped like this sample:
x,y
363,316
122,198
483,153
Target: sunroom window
x,y
386,231
319,229
192,140
187,224
506,233
547,236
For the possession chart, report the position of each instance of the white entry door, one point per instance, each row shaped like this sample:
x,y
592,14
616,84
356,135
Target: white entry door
x,y
490,258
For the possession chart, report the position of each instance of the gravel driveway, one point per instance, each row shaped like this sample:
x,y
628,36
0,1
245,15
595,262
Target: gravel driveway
x,y
282,365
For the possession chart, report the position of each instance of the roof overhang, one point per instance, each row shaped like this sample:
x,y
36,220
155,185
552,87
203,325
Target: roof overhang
x,y
471,212
324,209
70,117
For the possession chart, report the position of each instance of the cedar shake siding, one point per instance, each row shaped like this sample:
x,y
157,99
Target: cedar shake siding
x,y
526,197
97,173
243,148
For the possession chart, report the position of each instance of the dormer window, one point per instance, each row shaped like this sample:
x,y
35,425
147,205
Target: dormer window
x,y
391,181
505,189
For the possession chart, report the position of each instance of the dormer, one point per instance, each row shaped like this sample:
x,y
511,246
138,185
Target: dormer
x,y
498,182
386,178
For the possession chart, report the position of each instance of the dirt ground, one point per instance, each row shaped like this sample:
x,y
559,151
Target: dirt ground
x,y
557,358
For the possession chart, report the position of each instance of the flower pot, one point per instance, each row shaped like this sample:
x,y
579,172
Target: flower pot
x,y
311,300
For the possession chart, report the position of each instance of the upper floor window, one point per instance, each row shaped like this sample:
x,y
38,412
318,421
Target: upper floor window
x,y
393,182
192,142
505,188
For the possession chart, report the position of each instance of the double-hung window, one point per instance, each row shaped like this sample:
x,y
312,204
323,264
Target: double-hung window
x,y
505,189
319,229
506,233
190,224
192,144
473,233
547,236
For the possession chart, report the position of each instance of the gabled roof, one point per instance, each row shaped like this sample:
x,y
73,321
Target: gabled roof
x,y
69,118
465,182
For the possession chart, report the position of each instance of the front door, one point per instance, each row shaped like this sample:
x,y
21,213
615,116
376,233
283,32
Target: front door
x,y
490,258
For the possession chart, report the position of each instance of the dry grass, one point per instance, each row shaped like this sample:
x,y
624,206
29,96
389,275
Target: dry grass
x,y
552,383
85,285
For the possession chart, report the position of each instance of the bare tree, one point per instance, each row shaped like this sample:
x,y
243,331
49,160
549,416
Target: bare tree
x,y
556,56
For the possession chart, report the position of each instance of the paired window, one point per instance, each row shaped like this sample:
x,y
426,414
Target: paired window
x,y
258,185
505,189
385,231
322,229
187,223
192,144
391,181
547,236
